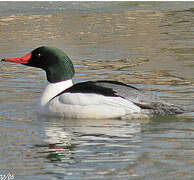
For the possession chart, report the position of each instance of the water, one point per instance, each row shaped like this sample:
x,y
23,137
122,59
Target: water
x,y
148,45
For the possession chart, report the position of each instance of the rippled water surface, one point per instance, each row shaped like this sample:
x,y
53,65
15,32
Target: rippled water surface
x,y
147,45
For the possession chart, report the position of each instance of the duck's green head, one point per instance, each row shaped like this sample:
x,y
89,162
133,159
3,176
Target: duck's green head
x,y
55,62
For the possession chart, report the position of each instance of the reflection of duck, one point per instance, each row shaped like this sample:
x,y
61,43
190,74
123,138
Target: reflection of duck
x,y
92,99
88,140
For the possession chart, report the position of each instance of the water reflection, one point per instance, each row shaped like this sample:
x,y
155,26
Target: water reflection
x,y
86,144
107,148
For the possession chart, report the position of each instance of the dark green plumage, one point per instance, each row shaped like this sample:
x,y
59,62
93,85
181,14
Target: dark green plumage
x,y
55,62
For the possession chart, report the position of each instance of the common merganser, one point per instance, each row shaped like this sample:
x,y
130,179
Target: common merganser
x,y
91,99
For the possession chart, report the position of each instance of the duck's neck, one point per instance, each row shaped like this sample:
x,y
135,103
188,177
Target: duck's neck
x,y
52,89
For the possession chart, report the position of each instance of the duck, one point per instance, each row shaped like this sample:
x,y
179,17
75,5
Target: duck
x,y
101,99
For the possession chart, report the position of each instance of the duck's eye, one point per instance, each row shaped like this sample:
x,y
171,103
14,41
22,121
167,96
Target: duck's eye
x,y
38,55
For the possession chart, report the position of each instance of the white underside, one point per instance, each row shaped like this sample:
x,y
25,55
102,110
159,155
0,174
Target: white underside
x,y
83,105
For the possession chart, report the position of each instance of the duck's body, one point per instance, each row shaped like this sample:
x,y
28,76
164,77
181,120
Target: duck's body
x,y
92,99
76,101
101,99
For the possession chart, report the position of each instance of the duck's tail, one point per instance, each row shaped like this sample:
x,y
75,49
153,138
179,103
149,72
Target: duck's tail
x,y
157,108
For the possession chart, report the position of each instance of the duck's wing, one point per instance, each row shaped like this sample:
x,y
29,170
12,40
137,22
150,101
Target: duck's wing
x,y
148,102
105,88
115,89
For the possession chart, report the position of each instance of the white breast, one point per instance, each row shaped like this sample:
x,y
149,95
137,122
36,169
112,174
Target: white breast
x,y
53,89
